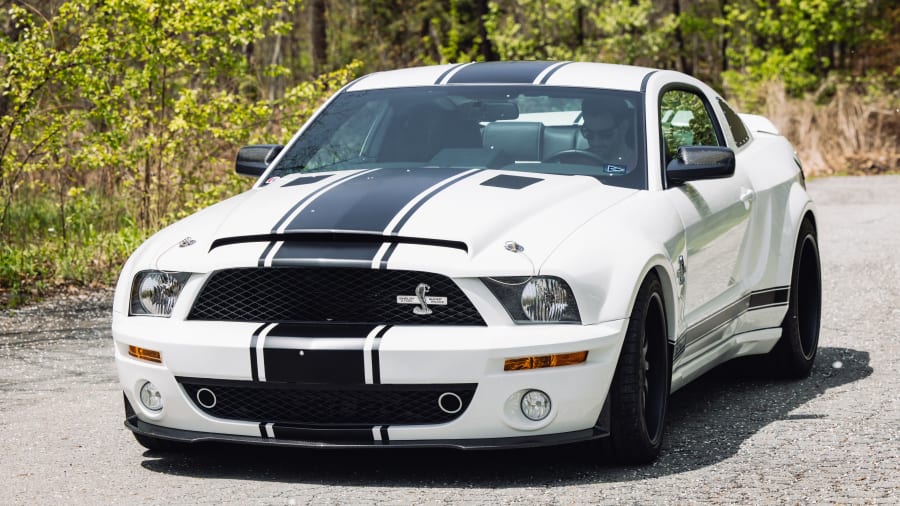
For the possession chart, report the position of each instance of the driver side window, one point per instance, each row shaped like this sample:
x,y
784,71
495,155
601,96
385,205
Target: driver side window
x,y
685,121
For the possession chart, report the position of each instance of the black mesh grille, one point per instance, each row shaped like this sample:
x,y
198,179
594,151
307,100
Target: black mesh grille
x,y
308,294
328,405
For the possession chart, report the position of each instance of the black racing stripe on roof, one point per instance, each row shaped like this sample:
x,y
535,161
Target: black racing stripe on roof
x,y
646,80
501,72
547,77
451,69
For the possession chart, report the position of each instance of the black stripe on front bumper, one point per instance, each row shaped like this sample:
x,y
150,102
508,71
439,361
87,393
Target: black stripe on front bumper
x,y
185,436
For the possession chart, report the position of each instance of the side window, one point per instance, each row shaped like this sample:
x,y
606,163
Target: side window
x,y
684,121
738,130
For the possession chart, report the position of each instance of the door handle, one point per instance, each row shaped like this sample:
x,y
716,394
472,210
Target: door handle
x,y
747,195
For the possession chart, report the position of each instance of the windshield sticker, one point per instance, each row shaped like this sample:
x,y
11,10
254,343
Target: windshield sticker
x,y
616,170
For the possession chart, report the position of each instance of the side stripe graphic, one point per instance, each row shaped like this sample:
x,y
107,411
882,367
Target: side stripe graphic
x,y
760,299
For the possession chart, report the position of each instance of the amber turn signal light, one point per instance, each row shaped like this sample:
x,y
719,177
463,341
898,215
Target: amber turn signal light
x,y
145,354
560,359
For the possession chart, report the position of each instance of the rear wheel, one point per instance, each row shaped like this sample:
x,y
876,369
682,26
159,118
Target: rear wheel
x,y
795,352
640,388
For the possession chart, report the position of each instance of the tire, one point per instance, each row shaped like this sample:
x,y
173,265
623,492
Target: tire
x,y
795,352
158,445
640,389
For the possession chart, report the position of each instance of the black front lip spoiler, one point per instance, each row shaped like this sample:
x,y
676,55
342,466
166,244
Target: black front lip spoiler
x,y
186,436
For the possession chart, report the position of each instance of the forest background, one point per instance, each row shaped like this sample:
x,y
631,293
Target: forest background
x,y
118,117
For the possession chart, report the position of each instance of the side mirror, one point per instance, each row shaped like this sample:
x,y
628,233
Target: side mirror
x,y
254,160
693,163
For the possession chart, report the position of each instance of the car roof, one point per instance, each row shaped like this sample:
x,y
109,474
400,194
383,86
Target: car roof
x,y
576,74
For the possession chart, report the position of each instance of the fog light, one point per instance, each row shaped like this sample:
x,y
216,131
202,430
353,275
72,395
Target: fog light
x,y
151,397
535,405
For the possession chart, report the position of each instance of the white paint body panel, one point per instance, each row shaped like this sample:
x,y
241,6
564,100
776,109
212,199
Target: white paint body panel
x,y
602,240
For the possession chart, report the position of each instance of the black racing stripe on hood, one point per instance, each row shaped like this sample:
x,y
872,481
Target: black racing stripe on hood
x,y
311,196
368,203
348,253
500,72
425,199
306,180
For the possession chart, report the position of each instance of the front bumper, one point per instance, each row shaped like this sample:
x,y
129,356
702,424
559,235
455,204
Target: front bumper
x,y
407,356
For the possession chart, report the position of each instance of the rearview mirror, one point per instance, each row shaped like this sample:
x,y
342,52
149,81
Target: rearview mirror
x,y
254,160
694,163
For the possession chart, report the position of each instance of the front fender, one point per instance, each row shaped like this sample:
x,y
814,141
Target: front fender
x,y
606,260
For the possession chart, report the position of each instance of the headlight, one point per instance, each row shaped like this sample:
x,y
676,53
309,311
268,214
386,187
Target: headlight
x,y
154,293
537,299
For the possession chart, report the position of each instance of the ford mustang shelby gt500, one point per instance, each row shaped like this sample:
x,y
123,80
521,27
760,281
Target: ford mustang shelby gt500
x,y
476,256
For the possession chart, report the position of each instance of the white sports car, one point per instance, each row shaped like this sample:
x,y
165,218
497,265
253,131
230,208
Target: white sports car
x,y
480,255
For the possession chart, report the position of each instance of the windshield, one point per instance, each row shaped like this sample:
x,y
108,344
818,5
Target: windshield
x,y
555,130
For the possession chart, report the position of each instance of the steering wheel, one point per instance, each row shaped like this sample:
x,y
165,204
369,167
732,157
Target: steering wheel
x,y
576,156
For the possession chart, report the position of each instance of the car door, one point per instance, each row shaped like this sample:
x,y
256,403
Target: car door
x,y
716,215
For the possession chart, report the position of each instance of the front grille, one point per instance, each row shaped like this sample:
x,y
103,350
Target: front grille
x,y
338,295
323,405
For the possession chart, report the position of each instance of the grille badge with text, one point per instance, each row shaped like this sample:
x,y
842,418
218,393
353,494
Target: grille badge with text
x,y
422,300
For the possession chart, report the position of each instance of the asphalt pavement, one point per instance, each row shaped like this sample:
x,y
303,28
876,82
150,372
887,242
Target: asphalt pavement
x,y
732,437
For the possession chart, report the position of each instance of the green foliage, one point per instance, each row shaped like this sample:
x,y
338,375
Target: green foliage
x,y
796,42
615,31
117,118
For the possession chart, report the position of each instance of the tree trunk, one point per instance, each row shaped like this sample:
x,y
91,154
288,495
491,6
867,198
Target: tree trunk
x,y
487,49
685,64
318,35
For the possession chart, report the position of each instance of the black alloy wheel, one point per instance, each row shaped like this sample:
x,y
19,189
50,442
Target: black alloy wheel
x,y
640,389
795,352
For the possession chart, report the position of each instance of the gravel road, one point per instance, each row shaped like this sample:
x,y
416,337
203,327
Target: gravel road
x,y
731,437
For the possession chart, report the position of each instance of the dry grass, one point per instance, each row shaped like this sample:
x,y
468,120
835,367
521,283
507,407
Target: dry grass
x,y
844,132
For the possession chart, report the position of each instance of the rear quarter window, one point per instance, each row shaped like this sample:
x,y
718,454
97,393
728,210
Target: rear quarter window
x,y
738,129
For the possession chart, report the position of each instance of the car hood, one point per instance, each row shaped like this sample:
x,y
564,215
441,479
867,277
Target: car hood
x,y
467,221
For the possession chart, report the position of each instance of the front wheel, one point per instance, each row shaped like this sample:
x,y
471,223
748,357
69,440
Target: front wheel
x,y
640,389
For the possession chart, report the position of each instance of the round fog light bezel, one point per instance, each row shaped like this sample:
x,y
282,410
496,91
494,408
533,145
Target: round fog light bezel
x,y
535,405
151,397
